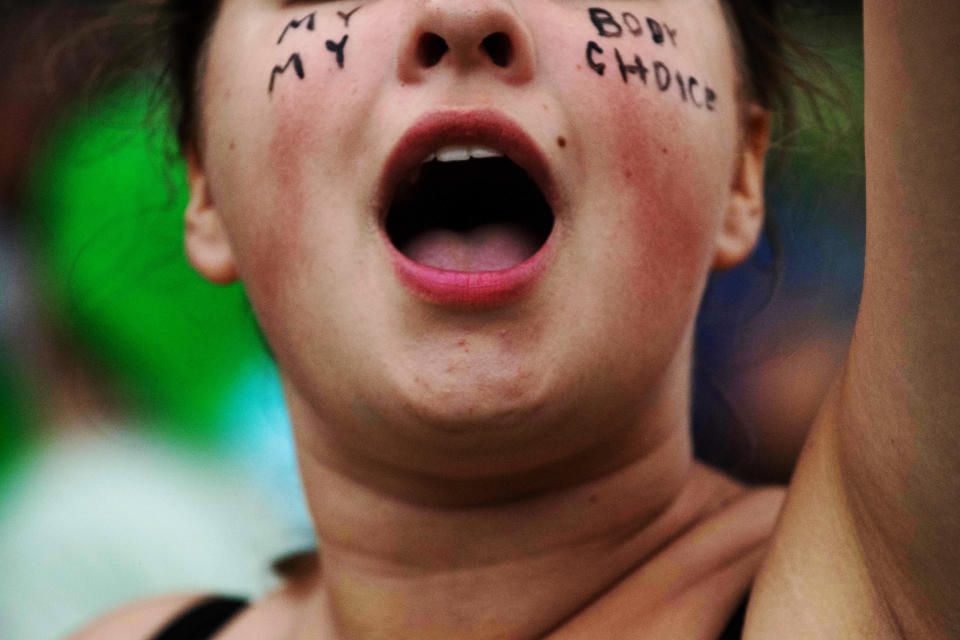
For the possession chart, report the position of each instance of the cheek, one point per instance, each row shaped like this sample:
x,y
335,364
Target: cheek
x,y
284,157
664,183
291,182
275,216
286,165
670,186
663,155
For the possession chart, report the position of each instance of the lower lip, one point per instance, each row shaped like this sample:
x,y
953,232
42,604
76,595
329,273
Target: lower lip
x,y
469,289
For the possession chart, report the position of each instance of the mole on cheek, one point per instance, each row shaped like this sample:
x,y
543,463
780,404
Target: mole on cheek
x,y
561,142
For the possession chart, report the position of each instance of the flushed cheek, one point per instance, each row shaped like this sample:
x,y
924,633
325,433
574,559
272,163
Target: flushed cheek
x,y
666,233
271,204
656,149
300,211
307,123
286,164
269,222
306,175
668,194
291,175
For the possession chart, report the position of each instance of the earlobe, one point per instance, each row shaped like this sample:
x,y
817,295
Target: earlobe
x,y
205,238
745,212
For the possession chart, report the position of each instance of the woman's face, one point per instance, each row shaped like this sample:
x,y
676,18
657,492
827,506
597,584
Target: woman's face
x,y
415,310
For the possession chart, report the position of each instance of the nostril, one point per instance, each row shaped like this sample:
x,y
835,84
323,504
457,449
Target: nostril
x,y
499,47
431,49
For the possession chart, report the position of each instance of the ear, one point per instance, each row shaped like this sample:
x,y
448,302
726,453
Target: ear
x,y
745,211
205,238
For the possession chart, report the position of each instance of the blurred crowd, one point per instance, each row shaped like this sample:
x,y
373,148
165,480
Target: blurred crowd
x,y
144,446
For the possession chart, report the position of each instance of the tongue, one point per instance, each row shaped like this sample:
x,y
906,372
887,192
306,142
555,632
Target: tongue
x,y
491,247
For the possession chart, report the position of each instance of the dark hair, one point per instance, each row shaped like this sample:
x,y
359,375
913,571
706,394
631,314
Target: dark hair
x,y
762,45
187,24
768,77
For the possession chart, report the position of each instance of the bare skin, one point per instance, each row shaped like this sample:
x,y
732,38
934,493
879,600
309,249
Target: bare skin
x,y
867,545
467,479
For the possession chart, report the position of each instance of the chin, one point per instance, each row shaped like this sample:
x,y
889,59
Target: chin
x,y
472,392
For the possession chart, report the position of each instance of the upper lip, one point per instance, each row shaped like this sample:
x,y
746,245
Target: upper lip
x,y
482,127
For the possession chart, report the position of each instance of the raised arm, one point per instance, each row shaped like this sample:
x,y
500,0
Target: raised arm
x,y
869,543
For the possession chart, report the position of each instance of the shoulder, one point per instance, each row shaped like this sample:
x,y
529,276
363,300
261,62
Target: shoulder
x,y
138,620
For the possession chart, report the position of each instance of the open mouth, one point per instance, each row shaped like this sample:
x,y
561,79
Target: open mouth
x,y
468,208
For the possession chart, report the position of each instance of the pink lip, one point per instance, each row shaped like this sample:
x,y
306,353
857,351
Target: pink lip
x,y
489,128
468,289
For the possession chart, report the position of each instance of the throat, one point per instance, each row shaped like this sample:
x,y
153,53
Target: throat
x,y
514,571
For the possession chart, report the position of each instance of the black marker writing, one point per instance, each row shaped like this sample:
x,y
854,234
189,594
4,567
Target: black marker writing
x,y
672,33
607,26
278,70
337,48
663,75
592,48
637,67
346,16
633,23
691,84
689,88
602,20
295,24
656,31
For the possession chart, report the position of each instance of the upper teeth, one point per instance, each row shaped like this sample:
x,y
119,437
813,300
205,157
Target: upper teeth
x,y
460,153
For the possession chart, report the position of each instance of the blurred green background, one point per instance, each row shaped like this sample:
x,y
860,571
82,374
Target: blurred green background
x,y
105,198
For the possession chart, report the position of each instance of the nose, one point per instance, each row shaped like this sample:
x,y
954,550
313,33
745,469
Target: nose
x,y
466,36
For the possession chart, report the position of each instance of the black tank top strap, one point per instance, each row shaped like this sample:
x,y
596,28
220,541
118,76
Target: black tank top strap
x,y
202,620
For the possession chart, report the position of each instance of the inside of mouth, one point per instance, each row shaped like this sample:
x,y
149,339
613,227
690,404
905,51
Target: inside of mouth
x,y
475,215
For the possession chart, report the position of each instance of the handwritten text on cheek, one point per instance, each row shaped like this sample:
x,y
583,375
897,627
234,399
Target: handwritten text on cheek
x,y
295,61
657,73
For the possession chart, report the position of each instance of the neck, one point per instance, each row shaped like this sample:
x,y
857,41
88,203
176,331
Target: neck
x,y
396,568
511,557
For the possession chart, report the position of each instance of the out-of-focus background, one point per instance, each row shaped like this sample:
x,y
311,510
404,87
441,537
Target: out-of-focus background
x,y
144,446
